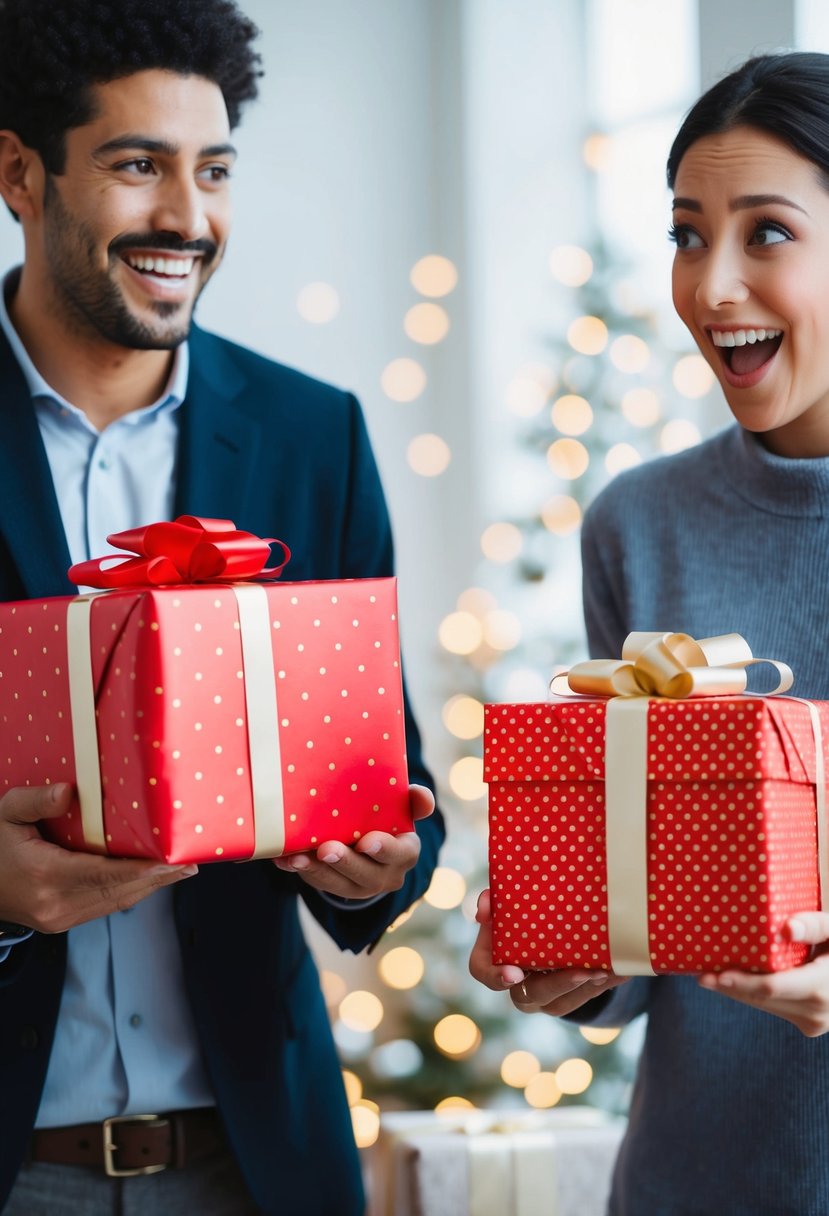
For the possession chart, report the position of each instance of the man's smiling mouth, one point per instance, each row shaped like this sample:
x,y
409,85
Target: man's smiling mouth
x,y
157,264
743,351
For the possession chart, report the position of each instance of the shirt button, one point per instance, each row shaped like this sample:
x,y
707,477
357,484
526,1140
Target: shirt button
x,y
136,1020
103,463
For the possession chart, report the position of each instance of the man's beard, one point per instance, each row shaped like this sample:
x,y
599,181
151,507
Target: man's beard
x,y
92,302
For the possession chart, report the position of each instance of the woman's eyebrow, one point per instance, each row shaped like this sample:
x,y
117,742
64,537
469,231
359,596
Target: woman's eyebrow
x,y
741,203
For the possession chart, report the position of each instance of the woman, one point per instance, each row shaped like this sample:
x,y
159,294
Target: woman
x,y
730,1114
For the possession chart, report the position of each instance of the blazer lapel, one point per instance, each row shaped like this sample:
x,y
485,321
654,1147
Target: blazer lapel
x,y
218,443
29,513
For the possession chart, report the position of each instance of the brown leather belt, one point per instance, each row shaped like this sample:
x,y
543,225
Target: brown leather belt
x,y
132,1144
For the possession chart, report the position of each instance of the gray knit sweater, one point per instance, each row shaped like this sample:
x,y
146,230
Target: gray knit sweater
x,y
730,1114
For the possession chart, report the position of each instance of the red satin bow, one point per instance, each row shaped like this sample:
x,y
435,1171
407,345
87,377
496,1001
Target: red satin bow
x,y
188,550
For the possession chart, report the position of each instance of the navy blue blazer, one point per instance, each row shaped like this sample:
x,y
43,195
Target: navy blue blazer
x,y
281,455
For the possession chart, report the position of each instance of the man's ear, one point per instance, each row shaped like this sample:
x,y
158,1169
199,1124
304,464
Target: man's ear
x,y
22,176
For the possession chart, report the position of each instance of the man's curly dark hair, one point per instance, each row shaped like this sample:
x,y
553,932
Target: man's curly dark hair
x,y
53,51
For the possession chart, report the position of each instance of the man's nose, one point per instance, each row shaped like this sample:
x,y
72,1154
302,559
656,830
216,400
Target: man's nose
x,y
180,208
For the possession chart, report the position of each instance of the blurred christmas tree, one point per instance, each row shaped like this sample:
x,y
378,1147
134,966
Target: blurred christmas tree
x,y
609,395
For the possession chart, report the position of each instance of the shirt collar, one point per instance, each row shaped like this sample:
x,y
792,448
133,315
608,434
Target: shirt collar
x,y
172,396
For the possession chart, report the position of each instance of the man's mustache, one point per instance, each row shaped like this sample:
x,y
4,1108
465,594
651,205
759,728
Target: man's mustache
x,y
164,242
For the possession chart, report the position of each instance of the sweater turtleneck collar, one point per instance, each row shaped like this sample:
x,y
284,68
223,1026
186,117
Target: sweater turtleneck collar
x,y
781,485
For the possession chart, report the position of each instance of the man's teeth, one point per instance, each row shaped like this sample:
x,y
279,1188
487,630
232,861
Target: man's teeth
x,y
179,267
739,337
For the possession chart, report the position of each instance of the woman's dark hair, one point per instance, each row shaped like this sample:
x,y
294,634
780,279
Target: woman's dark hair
x,y
53,51
785,95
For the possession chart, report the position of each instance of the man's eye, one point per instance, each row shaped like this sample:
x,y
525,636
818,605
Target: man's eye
x,y
141,166
215,173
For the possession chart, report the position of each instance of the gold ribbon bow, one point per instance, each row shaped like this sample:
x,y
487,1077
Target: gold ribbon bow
x,y
673,665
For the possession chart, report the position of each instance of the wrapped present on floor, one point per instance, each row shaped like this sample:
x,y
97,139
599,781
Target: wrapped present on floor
x,y
649,834
207,721
479,1163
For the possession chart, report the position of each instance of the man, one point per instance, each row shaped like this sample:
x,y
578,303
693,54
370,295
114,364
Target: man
x,y
146,988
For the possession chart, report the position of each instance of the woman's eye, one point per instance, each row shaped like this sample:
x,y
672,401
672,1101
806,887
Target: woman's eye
x,y
684,237
216,173
769,233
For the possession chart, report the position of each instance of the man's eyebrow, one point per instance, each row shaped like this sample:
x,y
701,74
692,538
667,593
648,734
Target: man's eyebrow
x,y
743,202
145,143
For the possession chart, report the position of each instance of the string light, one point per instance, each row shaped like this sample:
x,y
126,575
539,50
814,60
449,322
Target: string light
x,y
460,633
401,968
542,1091
561,515
466,779
476,600
692,376
573,1076
568,458
365,1120
678,434
600,1035
333,987
502,542
353,1086
463,716
596,152
630,354
641,406
518,1068
502,629
453,1103
621,456
525,396
361,1010
572,415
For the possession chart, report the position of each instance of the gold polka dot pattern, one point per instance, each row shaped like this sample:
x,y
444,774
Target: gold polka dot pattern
x,y
732,838
172,718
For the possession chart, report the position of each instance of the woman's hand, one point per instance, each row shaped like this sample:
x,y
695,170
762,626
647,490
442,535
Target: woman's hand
x,y
552,992
799,995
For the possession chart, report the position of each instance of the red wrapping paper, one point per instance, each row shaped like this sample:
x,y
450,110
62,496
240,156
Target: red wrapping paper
x,y
731,832
172,724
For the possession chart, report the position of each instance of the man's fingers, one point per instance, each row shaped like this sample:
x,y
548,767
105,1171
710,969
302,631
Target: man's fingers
x,y
28,805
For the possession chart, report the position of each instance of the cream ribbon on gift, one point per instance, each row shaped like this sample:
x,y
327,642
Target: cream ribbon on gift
x,y
676,666
262,718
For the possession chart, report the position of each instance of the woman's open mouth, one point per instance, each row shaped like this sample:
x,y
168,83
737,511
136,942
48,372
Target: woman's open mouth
x,y
746,353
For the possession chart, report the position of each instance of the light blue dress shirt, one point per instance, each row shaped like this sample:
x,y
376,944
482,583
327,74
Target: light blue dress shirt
x,y
125,1041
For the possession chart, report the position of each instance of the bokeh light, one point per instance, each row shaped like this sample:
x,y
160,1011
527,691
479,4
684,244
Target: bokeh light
x,y
447,888
365,1120
572,415
463,717
401,967
502,542
692,376
466,779
630,354
542,1091
641,406
457,1036
587,335
318,303
600,1035
353,1086
426,323
428,455
561,515
403,380
502,629
477,600
453,1103
678,434
573,1076
460,633
596,151
571,265
434,276
525,396
361,1010
333,987
568,458
518,1068
621,456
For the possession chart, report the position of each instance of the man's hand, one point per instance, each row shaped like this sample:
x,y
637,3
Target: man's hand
x,y
553,992
799,995
376,864
51,889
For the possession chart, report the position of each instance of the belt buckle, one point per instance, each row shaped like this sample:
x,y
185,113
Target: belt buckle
x,y
110,1147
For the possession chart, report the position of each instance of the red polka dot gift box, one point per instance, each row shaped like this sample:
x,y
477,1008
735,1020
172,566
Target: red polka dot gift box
x,y
681,844
211,721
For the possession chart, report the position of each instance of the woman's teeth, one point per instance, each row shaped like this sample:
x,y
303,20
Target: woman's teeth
x,y
742,337
175,267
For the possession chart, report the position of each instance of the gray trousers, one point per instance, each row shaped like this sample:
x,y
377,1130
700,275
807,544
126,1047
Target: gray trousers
x,y
214,1187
